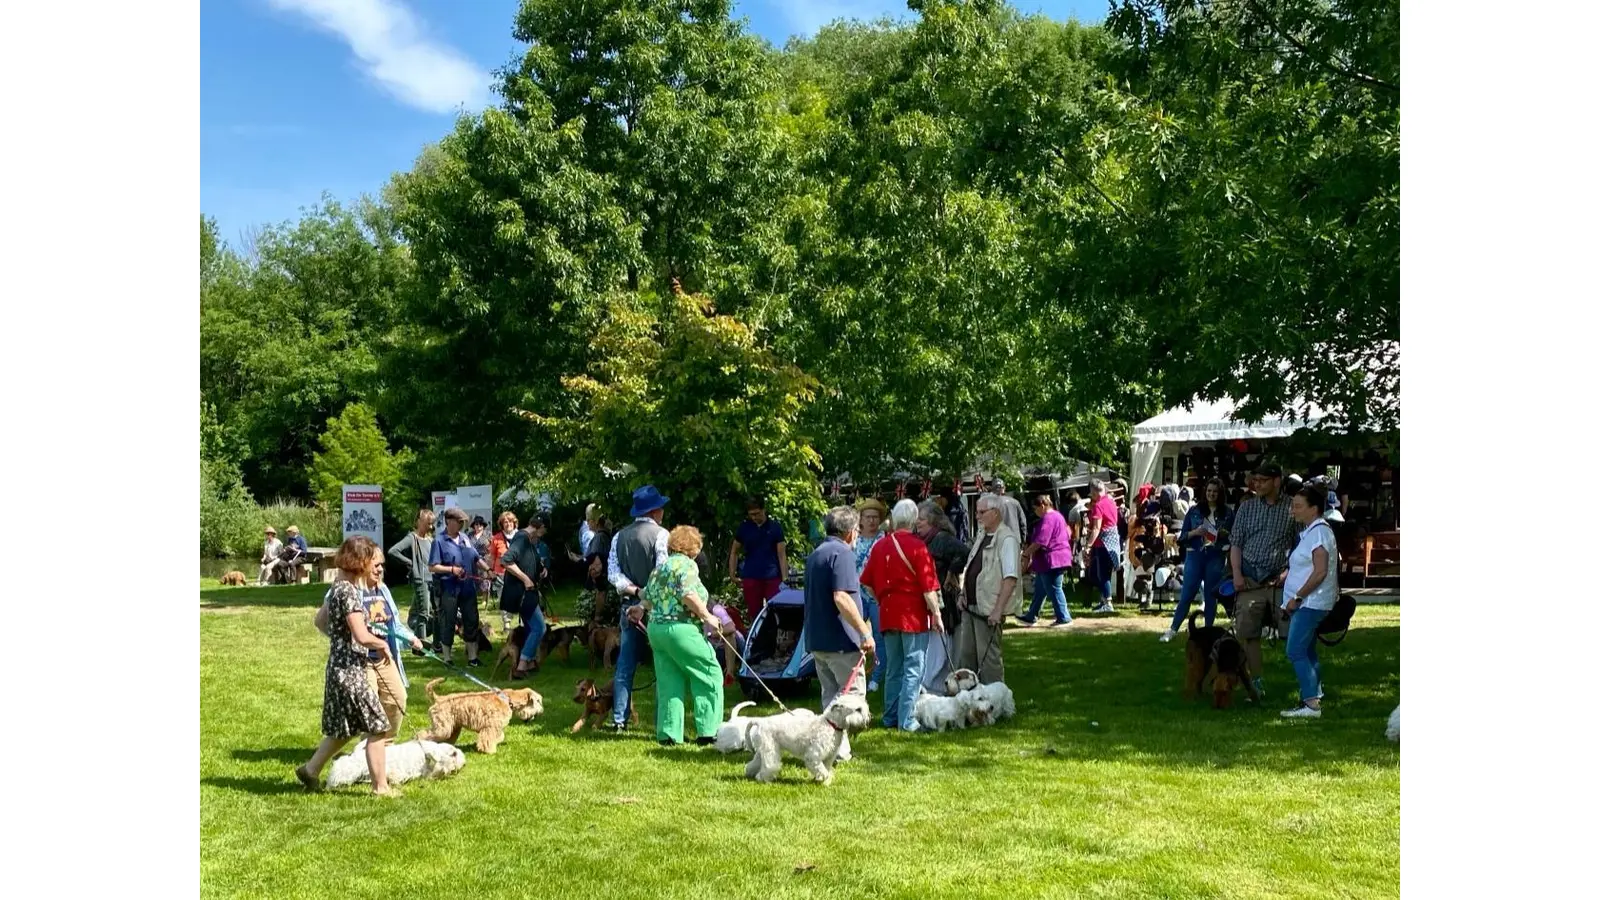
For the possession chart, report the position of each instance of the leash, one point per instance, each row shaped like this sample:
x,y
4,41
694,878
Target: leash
x,y
431,655
742,661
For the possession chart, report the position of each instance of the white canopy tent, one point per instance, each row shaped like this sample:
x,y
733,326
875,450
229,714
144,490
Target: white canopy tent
x,y
1202,422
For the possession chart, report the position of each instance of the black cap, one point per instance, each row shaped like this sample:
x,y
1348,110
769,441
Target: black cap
x,y
539,519
1267,469
478,520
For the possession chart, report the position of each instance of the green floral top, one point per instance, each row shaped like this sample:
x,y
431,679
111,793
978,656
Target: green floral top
x,y
668,583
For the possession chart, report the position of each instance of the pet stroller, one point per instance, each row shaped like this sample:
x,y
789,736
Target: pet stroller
x,y
786,670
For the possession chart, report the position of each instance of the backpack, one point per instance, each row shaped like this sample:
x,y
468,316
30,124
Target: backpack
x,y
1337,620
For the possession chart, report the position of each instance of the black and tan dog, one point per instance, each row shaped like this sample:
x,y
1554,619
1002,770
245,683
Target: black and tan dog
x,y
1214,651
557,639
598,702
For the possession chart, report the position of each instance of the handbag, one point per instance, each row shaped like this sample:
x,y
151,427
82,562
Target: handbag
x,y
927,596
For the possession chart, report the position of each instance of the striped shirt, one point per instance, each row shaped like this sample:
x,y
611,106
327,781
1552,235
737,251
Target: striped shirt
x,y
1264,534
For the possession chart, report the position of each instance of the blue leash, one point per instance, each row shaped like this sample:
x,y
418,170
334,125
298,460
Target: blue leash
x,y
468,676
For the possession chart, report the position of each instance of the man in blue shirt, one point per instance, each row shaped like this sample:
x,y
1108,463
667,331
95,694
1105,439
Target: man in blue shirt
x,y
833,603
766,559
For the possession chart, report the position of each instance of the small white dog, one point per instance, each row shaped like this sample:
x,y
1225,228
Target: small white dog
x,y
402,763
815,739
1002,704
1393,731
936,713
960,680
734,734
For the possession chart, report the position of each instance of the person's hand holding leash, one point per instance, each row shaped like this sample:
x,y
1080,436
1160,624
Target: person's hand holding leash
x,y
995,618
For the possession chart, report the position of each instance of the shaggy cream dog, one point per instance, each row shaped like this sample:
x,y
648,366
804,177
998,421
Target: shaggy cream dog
x,y
734,734
402,762
486,712
960,680
815,739
1393,731
936,713
1002,703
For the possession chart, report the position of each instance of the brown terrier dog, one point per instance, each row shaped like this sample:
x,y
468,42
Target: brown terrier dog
x,y
1213,651
486,712
557,639
604,644
597,701
233,579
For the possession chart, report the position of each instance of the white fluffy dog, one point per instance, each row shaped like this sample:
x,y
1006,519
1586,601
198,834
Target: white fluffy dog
x,y
734,734
402,762
1393,731
960,680
815,739
1002,703
936,713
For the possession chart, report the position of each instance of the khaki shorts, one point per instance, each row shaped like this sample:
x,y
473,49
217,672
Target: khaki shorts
x,y
1255,610
384,677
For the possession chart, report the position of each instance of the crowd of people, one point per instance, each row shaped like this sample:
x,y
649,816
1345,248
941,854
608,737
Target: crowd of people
x,y
881,583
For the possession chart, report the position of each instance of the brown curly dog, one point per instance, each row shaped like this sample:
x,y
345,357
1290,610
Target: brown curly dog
x,y
233,579
485,712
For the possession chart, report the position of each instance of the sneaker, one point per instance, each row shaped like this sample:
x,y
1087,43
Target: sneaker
x,y
617,727
1064,623
1104,608
912,727
1027,623
1301,712
704,741
1168,636
475,663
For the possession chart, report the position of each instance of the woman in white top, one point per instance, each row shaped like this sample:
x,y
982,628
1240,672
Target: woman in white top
x,y
1308,595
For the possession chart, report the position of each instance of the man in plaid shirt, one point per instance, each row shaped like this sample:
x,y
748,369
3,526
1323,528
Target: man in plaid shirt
x,y
1262,536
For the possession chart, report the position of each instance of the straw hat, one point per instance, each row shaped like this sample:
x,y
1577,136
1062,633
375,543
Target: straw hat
x,y
873,503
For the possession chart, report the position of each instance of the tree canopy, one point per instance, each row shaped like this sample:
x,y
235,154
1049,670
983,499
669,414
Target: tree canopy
x,y
901,247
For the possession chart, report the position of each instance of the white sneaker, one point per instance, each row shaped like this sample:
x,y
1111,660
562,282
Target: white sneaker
x,y
1066,624
1170,634
1104,608
1301,712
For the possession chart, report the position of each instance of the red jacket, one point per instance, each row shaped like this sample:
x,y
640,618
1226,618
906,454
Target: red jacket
x,y
899,591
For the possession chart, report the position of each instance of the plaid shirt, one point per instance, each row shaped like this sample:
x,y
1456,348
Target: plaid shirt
x,y
1264,535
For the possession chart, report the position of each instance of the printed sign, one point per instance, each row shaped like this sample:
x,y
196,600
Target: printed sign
x,y
363,511
477,500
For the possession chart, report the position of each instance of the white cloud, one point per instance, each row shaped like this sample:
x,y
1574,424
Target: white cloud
x,y
806,16
387,39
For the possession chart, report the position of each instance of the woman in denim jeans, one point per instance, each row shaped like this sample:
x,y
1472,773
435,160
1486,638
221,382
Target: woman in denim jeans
x,y
1048,556
1203,535
1309,591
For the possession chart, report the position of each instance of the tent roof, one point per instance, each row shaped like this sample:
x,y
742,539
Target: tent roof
x,y
1212,421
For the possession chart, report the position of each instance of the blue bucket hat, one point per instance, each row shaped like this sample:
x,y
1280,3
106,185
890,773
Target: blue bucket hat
x,y
647,500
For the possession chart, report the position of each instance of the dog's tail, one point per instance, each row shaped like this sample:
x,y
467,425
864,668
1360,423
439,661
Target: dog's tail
x,y
1191,620
734,713
432,696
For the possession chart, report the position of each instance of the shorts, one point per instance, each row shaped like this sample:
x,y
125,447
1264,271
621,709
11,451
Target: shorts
x,y
384,676
1254,610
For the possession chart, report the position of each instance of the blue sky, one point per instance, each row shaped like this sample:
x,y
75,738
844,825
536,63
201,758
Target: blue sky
x,y
298,97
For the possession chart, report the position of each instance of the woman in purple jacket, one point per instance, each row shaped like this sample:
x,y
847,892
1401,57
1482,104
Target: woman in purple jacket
x,y
1048,557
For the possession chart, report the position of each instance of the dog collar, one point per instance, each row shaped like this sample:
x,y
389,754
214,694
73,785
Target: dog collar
x,y
833,726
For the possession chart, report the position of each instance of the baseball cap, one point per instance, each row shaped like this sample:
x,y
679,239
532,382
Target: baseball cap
x,y
1268,469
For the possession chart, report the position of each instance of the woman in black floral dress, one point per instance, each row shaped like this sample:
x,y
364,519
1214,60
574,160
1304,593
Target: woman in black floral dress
x,y
350,702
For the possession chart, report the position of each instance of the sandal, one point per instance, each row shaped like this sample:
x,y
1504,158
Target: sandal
x,y
306,781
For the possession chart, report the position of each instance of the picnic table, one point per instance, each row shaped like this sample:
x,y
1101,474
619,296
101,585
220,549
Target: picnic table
x,y
320,561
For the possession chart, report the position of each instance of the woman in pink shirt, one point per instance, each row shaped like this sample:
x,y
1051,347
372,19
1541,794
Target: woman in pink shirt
x,y
1105,543
1048,556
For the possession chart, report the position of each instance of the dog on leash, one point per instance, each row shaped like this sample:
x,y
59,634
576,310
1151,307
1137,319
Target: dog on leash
x,y
969,707
598,702
485,712
816,740
604,645
556,640
233,579
999,703
1392,732
960,680
1213,651
734,734
401,762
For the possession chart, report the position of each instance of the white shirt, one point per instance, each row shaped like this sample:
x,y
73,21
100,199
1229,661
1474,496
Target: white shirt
x,y
614,572
1317,534
585,535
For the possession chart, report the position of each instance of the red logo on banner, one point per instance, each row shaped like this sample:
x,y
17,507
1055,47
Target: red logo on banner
x,y
363,496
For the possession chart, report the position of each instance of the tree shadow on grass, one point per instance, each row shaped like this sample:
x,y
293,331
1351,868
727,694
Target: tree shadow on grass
x,y
293,755
277,596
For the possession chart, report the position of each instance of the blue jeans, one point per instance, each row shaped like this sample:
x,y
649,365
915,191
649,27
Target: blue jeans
x,y
633,642
1302,650
871,607
1049,582
1200,570
534,619
903,652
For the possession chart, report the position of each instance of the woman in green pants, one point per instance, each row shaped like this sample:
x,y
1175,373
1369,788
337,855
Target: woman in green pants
x,y
677,601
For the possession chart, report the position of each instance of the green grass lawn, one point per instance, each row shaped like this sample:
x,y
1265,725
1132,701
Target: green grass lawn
x,y
1106,784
